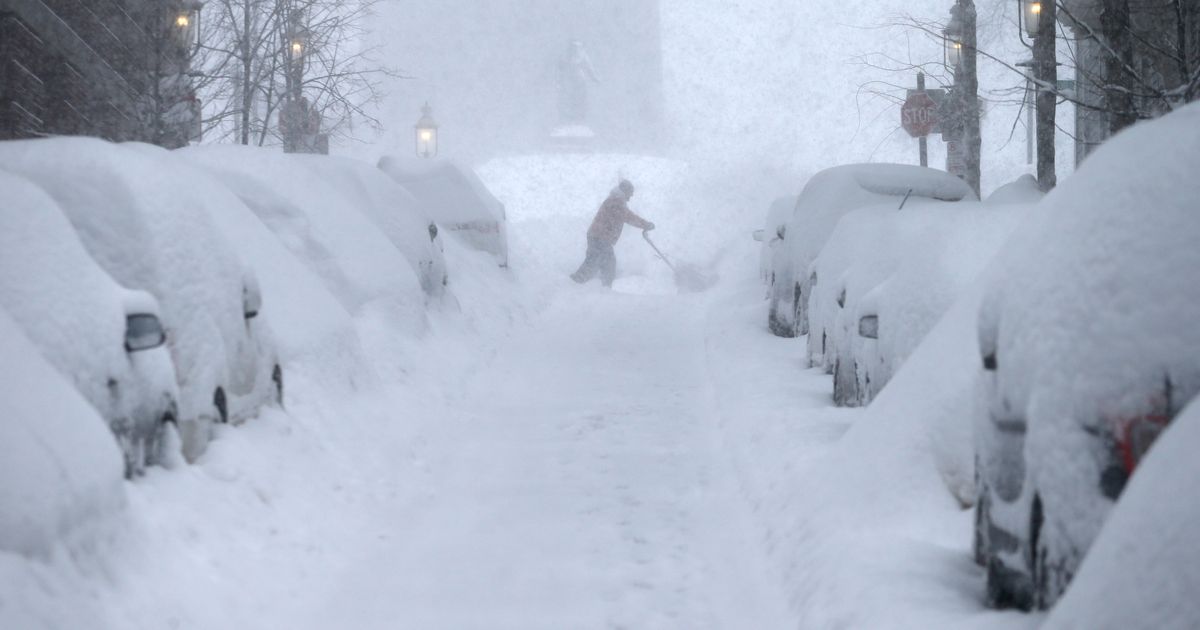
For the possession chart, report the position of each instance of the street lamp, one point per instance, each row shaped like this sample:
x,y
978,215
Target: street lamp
x,y
1030,18
187,25
426,131
952,37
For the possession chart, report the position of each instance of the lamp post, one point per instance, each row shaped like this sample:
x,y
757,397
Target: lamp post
x,y
300,124
952,38
187,26
426,133
1038,21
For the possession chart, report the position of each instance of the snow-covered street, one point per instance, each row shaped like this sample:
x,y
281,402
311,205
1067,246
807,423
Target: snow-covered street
x,y
599,314
584,487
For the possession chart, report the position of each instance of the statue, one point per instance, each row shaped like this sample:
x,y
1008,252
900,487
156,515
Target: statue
x,y
575,71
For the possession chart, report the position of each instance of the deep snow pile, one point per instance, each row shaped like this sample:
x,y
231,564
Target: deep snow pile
x,y
60,468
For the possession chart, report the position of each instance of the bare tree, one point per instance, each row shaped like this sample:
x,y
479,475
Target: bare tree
x,y
259,54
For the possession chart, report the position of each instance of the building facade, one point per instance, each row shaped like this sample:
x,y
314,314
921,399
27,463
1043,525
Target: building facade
x,y
115,69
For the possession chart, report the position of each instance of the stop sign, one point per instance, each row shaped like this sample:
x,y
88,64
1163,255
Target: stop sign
x,y
919,116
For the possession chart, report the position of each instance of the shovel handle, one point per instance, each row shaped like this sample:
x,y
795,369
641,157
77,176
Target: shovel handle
x,y
646,235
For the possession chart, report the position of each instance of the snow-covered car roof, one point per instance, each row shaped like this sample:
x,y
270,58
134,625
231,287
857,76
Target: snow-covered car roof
x,y
286,285
319,223
1101,279
947,259
832,193
865,249
454,196
148,231
394,210
63,300
59,465
452,193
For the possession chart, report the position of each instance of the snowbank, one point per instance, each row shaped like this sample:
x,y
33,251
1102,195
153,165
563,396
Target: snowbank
x,y
1143,570
59,466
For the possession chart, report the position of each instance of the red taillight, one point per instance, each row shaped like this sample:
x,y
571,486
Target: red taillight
x,y
1134,437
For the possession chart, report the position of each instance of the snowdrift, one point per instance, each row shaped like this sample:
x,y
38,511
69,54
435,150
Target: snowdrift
x,y
60,469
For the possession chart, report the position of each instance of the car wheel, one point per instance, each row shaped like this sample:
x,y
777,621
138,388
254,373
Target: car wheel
x,y
277,378
155,452
1037,554
979,540
778,327
845,385
222,405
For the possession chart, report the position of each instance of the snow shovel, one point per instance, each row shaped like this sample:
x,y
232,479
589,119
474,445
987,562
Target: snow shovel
x,y
689,278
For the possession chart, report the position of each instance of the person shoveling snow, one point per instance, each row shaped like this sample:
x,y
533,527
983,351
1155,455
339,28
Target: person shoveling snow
x,y
604,233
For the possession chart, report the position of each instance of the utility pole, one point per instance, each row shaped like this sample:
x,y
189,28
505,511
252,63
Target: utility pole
x,y
966,80
960,112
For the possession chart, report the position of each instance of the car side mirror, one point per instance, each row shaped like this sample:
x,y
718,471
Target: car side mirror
x,y
143,331
868,327
759,235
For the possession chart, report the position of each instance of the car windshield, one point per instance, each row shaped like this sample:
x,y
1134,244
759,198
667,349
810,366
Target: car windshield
x,y
143,331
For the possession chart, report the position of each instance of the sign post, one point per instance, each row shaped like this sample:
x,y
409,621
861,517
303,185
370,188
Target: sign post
x,y
919,116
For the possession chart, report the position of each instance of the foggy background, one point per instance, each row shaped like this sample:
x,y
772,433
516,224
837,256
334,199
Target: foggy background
x,y
753,94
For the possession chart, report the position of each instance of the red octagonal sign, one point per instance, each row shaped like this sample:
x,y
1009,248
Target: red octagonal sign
x,y
918,116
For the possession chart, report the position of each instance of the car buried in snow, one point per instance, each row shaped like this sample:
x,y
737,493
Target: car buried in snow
x,y
1089,346
891,319
456,199
772,235
826,198
106,340
151,231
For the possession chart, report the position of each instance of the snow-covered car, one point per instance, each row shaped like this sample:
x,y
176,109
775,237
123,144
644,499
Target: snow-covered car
x,y
1143,570
1089,349
59,467
108,341
826,198
395,211
454,197
321,222
865,248
772,235
151,231
892,319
